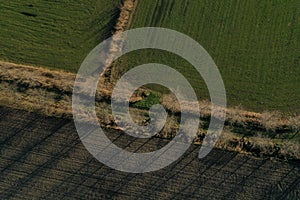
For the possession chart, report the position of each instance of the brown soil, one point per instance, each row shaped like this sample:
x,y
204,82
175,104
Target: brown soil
x,y
43,158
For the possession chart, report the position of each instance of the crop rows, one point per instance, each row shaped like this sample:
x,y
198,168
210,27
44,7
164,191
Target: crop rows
x,y
56,34
255,44
43,157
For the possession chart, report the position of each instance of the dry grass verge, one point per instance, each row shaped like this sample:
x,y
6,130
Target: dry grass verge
x,y
266,121
49,92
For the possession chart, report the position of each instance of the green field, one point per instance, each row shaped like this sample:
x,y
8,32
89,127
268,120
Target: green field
x,y
56,34
255,44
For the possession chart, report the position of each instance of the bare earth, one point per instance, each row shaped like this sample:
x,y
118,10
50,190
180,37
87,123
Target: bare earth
x,y
42,157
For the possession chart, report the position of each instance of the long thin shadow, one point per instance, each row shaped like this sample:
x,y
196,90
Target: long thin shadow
x,y
120,135
242,182
208,167
171,169
24,180
17,132
65,152
92,173
271,192
285,193
229,175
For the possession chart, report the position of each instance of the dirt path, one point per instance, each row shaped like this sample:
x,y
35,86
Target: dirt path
x,y
123,24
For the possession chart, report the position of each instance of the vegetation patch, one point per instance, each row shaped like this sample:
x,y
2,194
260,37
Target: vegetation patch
x,y
151,99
